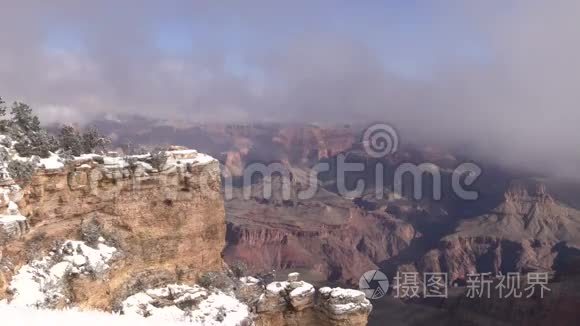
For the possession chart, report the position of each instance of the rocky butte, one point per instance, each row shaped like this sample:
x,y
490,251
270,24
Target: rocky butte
x,y
529,231
140,235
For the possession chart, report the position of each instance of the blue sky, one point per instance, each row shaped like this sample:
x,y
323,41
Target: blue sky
x,y
412,38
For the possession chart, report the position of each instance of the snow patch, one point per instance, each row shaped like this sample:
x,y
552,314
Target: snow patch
x,y
249,280
189,156
87,157
220,309
115,162
345,301
184,152
8,219
192,304
276,287
302,290
13,315
53,162
41,282
11,220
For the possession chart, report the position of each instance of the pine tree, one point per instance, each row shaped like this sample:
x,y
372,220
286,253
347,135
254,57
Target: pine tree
x,y
23,126
42,143
24,119
93,140
70,140
4,122
2,107
21,171
158,158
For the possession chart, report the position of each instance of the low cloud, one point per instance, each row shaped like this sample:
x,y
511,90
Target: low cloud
x,y
499,78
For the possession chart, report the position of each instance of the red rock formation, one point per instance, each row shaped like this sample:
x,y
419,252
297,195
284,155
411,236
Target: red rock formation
x,y
294,146
519,235
342,250
310,143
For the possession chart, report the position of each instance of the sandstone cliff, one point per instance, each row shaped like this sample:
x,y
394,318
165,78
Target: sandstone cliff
x,y
163,225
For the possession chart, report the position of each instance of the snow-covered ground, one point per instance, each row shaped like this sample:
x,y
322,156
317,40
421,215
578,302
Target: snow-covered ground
x,y
202,306
41,282
15,315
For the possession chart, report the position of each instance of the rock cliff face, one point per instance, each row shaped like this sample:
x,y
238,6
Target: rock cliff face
x,y
337,243
163,225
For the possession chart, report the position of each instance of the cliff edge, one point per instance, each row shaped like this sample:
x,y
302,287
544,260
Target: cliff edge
x,y
138,235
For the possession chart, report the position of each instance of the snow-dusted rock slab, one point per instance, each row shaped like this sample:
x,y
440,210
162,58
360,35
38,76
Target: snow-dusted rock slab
x,y
41,283
12,226
296,299
192,304
340,303
280,295
12,223
51,163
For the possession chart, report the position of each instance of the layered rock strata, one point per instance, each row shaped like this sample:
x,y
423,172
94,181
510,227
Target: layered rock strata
x,y
167,223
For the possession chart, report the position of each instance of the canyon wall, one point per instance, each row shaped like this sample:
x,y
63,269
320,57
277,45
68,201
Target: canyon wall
x,y
528,231
329,242
165,228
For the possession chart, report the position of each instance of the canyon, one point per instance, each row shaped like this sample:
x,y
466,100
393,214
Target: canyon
x,y
521,222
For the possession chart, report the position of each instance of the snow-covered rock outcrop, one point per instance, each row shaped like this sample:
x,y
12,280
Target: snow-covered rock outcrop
x,y
42,283
293,302
192,304
12,223
293,293
343,304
